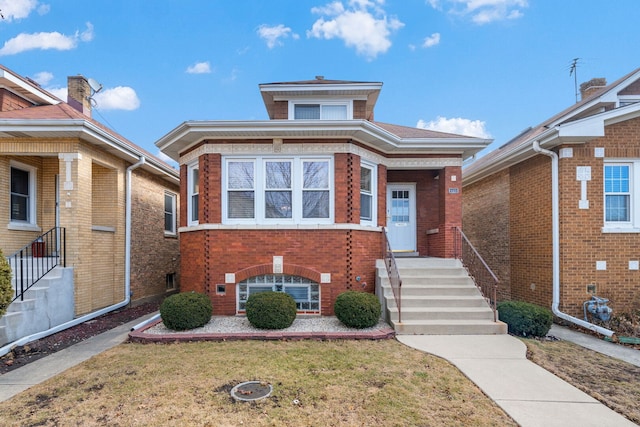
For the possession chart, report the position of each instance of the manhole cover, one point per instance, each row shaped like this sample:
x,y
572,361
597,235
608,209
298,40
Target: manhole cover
x,y
251,391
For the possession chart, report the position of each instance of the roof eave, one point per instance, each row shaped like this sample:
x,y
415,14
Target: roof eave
x,y
189,134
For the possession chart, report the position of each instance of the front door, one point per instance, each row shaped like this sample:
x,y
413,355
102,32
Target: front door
x,y
401,217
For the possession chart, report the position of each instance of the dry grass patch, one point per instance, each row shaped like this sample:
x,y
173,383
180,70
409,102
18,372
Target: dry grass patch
x,y
611,381
335,383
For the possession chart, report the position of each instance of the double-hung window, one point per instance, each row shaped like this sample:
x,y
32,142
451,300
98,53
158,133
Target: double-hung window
x,y
22,194
169,213
367,194
277,190
320,110
617,195
193,194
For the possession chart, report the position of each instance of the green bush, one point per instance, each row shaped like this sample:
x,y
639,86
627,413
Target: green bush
x,y
525,319
271,310
187,310
357,309
6,290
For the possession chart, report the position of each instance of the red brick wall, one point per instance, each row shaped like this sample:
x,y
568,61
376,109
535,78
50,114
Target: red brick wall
x,y
485,221
530,231
583,242
528,266
208,254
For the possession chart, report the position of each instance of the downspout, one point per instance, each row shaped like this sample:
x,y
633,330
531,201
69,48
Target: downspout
x,y
555,233
127,279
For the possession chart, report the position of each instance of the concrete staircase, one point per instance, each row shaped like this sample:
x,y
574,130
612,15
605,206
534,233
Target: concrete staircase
x,y
48,303
438,298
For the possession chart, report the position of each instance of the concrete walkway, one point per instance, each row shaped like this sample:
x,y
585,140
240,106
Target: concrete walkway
x,y
628,354
531,395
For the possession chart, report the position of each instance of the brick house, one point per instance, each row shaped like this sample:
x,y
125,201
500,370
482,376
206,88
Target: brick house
x,y
558,240
297,203
60,169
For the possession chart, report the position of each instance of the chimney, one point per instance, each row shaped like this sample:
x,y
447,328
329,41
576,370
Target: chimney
x,y
79,94
592,86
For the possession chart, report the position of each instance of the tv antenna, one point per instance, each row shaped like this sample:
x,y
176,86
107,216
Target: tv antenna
x,y
573,70
95,88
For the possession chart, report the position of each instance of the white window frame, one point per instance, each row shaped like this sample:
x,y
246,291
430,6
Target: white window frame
x,y
633,225
191,193
321,102
260,184
624,100
374,194
174,198
32,199
280,283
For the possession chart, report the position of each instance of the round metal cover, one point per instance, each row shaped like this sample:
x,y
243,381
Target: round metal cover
x,y
251,391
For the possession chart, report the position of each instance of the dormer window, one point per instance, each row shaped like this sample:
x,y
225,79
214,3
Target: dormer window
x,y
320,110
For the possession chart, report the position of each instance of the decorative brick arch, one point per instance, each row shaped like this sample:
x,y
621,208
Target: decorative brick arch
x,y
290,269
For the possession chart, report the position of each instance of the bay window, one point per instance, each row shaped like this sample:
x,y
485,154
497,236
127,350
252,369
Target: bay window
x,y
277,190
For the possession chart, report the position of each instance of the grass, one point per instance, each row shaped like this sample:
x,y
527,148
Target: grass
x,y
611,381
330,383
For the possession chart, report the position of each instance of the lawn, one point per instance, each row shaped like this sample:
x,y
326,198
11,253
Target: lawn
x,y
328,383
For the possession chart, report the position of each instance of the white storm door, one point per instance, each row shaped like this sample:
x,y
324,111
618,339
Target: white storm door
x,y
401,217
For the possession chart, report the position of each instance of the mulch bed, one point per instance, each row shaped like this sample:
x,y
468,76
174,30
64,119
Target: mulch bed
x,y
23,355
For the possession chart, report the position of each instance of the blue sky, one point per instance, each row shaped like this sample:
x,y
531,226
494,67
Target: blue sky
x,y
487,68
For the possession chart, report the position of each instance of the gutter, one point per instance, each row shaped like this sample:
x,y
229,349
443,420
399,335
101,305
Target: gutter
x,y
555,227
127,280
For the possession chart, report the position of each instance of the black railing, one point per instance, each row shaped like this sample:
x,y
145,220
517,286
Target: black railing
x,y
392,271
485,280
36,259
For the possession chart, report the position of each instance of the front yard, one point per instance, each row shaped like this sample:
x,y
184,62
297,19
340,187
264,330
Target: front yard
x,y
329,383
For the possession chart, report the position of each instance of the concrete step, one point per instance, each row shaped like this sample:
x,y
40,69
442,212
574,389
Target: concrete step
x,y
450,327
442,313
439,301
436,290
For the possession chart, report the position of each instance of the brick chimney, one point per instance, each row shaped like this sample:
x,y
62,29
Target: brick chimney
x,y
592,86
78,94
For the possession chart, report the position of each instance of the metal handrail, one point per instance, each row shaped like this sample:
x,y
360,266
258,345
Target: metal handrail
x,y
36,259
392,271
483,277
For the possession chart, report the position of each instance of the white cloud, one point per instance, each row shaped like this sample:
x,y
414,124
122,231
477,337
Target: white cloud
x,y
44,41
17,9
485,11
362,25
60,92
274,35
432,40
199,68
43,77
117,98
458,125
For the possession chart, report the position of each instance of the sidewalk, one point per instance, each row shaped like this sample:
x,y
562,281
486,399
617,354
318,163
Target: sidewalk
x,y
20,379
531,395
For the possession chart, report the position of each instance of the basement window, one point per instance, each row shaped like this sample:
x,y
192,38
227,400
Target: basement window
x,y
305,292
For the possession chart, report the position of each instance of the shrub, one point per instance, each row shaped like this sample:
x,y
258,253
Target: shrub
x,y
357,309
525,319
271,310
6,290
186,310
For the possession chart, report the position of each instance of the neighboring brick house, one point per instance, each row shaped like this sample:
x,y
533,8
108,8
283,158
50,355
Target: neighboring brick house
x,y
508,204
297,203
61,168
